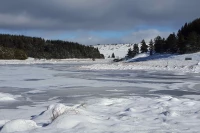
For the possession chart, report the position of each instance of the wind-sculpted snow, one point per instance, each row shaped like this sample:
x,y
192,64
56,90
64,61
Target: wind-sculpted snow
x,y
119,115
18,126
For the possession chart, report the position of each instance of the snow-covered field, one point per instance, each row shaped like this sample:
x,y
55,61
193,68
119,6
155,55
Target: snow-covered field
x,y
156,62
62,97
145,62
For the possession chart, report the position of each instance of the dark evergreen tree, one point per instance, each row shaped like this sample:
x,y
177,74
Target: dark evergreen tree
x,y
113,55
135,49
11,53
144,47
158,44
192,42
181,45
171,43
129,54
132,53
39,48
164,46
151,47
189,37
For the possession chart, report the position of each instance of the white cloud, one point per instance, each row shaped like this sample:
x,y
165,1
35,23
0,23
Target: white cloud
x,y
147,35
99,15
134,37
24,21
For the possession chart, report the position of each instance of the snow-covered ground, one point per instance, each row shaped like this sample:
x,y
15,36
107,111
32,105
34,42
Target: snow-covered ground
x,y
146,62
61,97
51,61
120,50
155,62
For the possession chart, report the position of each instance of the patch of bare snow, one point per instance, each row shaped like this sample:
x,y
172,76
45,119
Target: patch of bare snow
x,y
7,97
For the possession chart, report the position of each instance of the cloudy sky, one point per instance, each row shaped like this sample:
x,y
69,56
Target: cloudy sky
x,y
96,21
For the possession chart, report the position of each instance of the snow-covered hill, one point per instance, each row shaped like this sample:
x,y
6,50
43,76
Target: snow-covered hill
x,y
120,50
155,62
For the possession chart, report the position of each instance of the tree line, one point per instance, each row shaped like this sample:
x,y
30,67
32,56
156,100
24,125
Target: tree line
x,y
47,49
187,40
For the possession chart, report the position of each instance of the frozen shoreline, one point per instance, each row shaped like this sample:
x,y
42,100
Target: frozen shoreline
x,y
179,66
155,62
51,61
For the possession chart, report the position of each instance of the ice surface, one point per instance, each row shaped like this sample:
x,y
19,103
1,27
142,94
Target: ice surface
x,y
101,101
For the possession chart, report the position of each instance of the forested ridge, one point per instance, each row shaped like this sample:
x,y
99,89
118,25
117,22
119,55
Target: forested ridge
x,y
39,48
187,40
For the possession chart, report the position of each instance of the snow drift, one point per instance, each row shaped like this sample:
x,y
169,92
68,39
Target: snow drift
x,y
19,126
120,115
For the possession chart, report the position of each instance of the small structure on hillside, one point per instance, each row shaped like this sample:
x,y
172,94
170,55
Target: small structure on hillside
x,y
188,58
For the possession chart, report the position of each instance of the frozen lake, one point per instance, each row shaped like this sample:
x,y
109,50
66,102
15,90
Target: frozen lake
x,y
27,90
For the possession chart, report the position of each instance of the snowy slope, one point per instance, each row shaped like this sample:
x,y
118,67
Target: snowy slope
x,y
120,50
155,62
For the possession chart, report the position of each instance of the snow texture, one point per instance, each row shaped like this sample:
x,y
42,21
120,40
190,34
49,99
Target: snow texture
x,y
108,101
30,61
7,97
120,50
155,62
130,114
18,125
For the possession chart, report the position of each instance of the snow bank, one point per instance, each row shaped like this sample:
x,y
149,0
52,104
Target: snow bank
x,y
133,114
52,61
119,115
53,111
75,117
72,121
19,126
143,55
155,62
149,65
58,110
